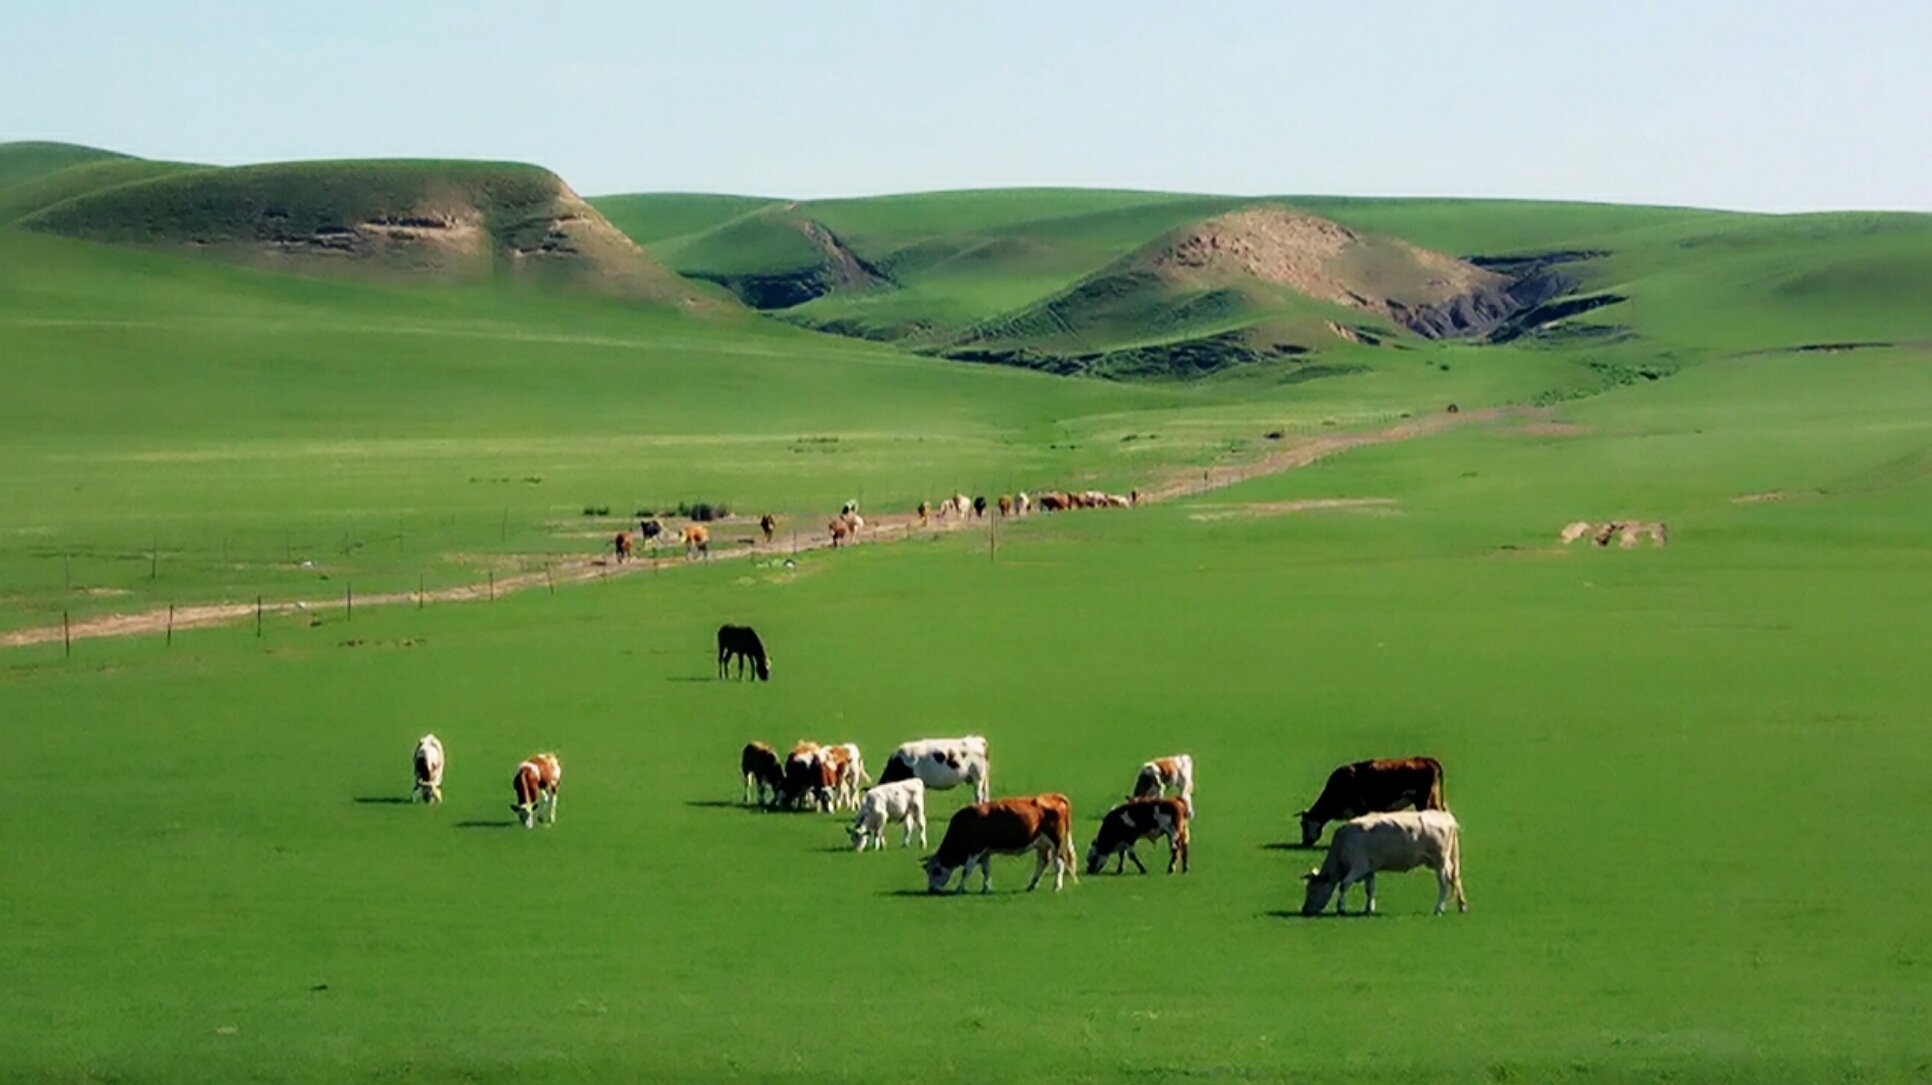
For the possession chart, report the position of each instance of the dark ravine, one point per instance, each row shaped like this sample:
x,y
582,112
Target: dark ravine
x,y
1498,316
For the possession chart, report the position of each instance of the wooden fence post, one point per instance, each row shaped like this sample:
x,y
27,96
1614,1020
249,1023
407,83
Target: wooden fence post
x,y
170,641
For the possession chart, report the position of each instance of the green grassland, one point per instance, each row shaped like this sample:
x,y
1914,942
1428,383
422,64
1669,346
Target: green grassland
x,y
1688,777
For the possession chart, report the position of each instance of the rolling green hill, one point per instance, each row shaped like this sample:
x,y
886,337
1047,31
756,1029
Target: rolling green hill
x,y
458,221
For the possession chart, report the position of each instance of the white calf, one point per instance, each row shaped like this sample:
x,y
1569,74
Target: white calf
x,y
899,802
428,761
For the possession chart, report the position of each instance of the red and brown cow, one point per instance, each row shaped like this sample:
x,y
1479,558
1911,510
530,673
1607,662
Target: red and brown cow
x,y
1041,824
535,783
1374,787
1134,821
811,778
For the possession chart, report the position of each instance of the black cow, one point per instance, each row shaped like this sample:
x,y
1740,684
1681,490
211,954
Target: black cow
x,y
1373,787
650,529
1134,821
979,507
741,641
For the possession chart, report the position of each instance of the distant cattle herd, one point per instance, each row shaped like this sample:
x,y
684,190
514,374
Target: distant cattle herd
x,y
1393,813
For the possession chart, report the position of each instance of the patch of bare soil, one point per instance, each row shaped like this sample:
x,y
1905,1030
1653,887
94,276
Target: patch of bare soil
x,y
1382,506
1551,429
1310,255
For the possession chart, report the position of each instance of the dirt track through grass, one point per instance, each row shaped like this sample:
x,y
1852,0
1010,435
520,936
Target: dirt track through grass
x,y
888,528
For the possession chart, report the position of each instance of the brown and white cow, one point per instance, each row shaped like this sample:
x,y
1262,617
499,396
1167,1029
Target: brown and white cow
x,y
1163,774
1370,787
1134,821
764,774
1402,840
697,540
852,777
428,765
1041,824
1022,504
535,783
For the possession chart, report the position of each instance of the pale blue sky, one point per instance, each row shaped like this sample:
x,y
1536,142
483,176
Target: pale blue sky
x,y
1776,105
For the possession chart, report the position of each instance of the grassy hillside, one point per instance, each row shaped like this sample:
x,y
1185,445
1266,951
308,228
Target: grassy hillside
x,y
1643,288
24,161
452,220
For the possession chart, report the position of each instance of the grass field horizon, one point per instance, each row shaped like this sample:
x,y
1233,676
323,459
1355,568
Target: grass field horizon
x,y
1687,776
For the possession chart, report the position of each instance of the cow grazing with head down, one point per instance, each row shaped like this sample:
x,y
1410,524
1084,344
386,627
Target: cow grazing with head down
x,y
1369,787
942,764
847,774
428,764
763,773
1162,774
1402,840
810,777
900,802
1134,821
535,783
1042,824
741,642
768,524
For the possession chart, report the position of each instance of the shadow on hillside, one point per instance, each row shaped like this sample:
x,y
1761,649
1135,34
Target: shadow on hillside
x,y
383,800
486,824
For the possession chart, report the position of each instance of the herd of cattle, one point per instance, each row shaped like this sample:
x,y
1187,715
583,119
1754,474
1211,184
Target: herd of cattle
x,y
1393,813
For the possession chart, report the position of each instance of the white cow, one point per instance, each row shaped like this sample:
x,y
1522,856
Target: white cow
x,y
956,505
428,761
942,764
899,802
1023,504
1400,840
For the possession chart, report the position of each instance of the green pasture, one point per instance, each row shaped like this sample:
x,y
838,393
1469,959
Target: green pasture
x,y
1685,777
1690,778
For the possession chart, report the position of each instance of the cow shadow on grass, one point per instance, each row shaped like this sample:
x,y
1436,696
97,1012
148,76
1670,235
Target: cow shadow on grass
x,y
383,800
1295,914
1290,845
474,824
691,678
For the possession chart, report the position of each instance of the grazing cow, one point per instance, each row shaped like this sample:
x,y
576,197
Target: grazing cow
x,y
809,777
650,529
850,776
839,529
1120,501
1055,502
1371,787
956,505
1402,840
1097,499
1134,821
1005,505
1574,531
1042,824
900,802
1636,530
1606,532
428,761
768,524
742,643
943,764
697,540
622,545
1022,504
925,513
764,775
979,507
1162,773
535,783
